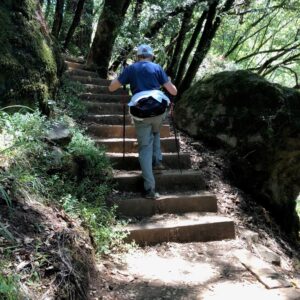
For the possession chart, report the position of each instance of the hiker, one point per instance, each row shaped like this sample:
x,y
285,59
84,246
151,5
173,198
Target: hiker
x,y
148,107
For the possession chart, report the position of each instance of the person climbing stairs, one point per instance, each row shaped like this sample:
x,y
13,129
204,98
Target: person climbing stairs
x,y
185,212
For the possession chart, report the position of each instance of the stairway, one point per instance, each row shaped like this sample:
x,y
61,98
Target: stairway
x,y
185,212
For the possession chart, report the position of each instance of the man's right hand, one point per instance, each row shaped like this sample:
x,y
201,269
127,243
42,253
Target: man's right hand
x,y
114,85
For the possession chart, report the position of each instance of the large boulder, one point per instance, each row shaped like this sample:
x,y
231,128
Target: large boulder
x,y
259,124
29,59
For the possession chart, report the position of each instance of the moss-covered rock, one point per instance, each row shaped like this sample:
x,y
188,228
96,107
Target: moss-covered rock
x,y
259,124
28,62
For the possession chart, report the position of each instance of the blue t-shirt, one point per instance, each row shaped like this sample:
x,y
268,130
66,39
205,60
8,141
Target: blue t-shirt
x,y
143,76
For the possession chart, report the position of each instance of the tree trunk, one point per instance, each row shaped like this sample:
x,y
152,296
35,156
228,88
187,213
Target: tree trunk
x,y
48,8
71,6
29,76
83,36
58,18
189,49
172,68
159,24
109,24
76,21
129,47
211,26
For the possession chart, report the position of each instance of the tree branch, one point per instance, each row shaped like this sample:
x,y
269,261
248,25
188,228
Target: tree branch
x,y
156,26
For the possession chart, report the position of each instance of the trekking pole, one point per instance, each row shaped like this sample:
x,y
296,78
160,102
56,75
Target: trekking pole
x,y
124,113
124,125
175,134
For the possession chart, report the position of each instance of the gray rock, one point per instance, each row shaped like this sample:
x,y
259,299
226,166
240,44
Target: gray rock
x,y
59,134
249,236
267,255
257,123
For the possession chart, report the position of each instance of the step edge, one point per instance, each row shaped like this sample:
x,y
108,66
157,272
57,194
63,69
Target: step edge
x,y
133,155
149,227
137,173
202,194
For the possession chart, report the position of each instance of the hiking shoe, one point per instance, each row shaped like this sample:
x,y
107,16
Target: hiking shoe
x,y
151,195
158,168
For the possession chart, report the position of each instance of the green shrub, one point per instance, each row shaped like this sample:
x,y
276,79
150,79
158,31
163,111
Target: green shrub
x,y
67,98
9,289
82,194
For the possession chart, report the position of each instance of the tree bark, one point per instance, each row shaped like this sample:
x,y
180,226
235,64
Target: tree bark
x,y
189,49
129,47
29,77
109,24
83,36
75,22
212,24
58,18
173,65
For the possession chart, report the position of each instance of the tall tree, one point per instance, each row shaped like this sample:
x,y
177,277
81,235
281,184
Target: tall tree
x,y
172,68
212,24
129,47
109,24
189,48
75,22
58,17
83,35
29,70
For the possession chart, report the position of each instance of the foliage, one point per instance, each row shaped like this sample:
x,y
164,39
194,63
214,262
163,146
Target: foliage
x,y
67,98
213,64
5,196
9,289
4,232
260,36
80,43
263,37
79,184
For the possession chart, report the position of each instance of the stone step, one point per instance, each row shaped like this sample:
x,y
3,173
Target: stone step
x,y
78,66
131,161
100,89
173,204
116,145
116,131
104,98
112,119
108,119
106,108
189,227
85,79
73,59
73,73
169,180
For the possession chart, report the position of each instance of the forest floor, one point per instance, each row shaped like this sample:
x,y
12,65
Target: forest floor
x,y
211,270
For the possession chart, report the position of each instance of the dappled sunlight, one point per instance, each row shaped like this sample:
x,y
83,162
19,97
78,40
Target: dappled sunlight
x,y
170,269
